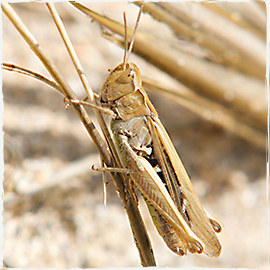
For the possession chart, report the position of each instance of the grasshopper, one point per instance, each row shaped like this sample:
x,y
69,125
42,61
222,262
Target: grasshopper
x,y
153,164
152,161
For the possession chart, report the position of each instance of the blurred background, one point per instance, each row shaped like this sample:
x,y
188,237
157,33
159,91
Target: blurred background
x,y
54,212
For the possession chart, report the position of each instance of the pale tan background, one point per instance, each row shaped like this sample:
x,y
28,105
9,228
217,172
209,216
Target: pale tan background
x,y
68,225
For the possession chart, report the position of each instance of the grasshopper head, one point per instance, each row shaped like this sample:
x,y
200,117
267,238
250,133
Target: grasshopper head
x,y
124,79
122,90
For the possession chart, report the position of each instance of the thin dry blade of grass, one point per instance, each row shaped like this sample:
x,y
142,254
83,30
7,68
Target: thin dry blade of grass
x,y
31,73
71,51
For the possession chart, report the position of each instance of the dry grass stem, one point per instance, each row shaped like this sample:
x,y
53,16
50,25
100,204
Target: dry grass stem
x,y
25,71
71,51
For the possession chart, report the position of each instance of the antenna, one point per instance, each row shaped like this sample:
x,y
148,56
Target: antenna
x,y
128,51
126,42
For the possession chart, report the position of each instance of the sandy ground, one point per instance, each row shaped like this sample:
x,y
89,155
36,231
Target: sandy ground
x,y
54,215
